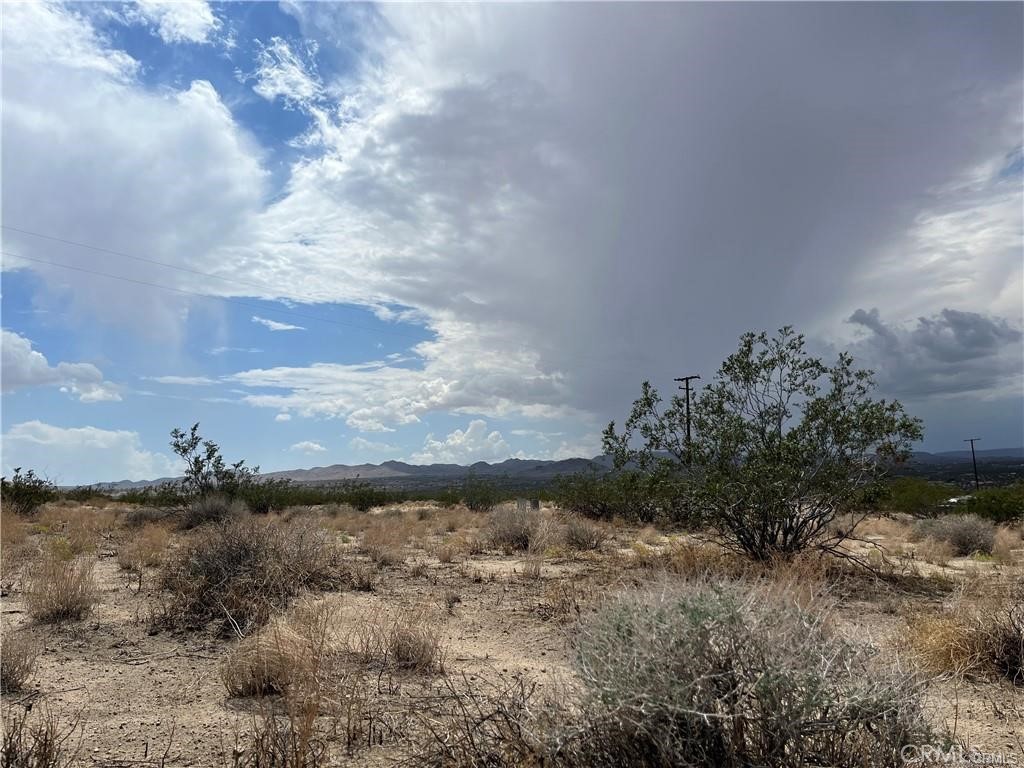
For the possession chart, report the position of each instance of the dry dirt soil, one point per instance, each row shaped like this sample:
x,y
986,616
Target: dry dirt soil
x,y
147,697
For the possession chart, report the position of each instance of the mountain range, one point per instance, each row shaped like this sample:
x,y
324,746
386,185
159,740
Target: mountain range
x,y
516,472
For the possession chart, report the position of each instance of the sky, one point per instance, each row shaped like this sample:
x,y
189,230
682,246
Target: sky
x,y
346,233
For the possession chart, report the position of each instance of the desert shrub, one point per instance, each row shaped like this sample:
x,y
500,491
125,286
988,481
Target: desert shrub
x,y
581,535
167,495
239,572
289,653
1000,505
211,509
408,640
781,444
139,517
39,740
146,549
935,551
479,495
511,529
383,541
1006,540
638,497
978,636
965,534
23,494
917,496
18,653
708,674
60,589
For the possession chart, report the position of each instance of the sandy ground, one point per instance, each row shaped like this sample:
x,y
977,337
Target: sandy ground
x,y
157,698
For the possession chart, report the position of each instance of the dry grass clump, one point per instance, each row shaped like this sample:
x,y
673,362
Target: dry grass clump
x,y
725,674
584,536
213,508
408,640
240,572
33,740
139,517
1006,541
18,654
289,652
383,541
146,549
60,589
966,534
976,635
512,529
934,551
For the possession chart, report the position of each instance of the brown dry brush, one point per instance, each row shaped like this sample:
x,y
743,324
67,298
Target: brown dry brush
x,y
18,654
40,740
239,573
60,589
976,635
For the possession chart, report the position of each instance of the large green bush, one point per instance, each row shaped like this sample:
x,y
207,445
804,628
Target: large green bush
x,y
641,497
23,494
1000,505
919,497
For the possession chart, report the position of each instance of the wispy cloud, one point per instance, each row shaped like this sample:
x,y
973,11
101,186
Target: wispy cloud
x,y
276,326
189,381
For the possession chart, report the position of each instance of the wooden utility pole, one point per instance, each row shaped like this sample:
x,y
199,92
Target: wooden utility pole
x,y
689,444
974,459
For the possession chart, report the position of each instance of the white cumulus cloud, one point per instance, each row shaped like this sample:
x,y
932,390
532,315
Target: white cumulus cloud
x,y
178,21
24,368
473,444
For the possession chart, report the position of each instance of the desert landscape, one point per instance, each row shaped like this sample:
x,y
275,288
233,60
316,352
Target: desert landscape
x,y
419,634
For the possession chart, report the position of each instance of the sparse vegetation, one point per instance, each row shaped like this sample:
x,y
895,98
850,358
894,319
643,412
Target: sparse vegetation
x,y
24,493
146,549
240,572
975,635
60,589
965,534
584,536
511,528
213,508
33,740
18,653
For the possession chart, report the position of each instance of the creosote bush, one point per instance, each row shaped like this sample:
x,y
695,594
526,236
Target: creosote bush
x,y
965,534
60,589
719,674
23,494
1000,505
238,573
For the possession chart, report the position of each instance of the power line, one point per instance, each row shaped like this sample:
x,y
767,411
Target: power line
x,y
113,252
232,299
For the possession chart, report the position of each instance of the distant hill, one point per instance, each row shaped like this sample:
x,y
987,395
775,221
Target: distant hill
x,y
961,455
529,473
398,474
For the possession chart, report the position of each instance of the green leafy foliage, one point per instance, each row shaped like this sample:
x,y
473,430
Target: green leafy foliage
x,y
24,493
917,496
782,443
205,469
479,495
640,497
1000,505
